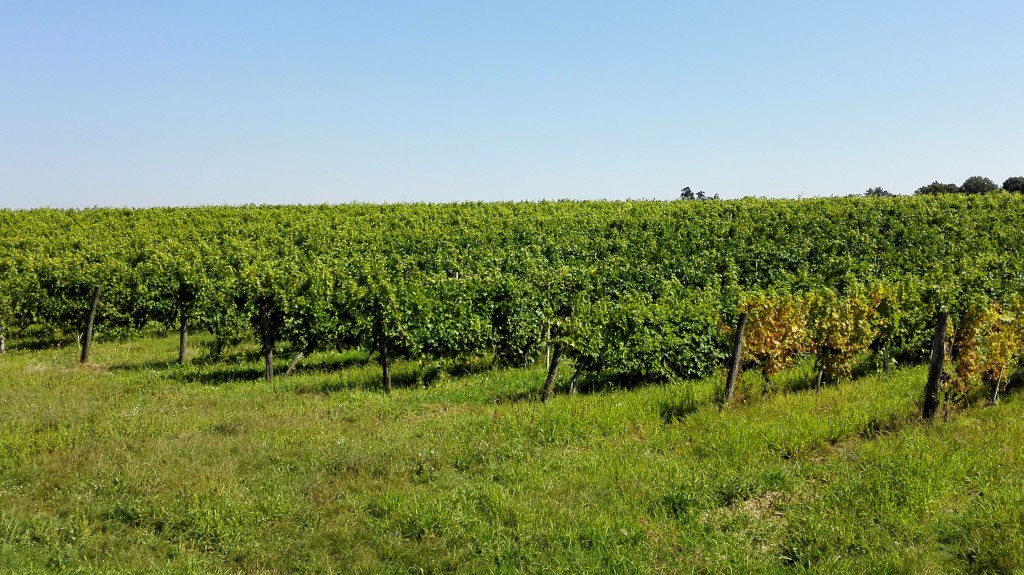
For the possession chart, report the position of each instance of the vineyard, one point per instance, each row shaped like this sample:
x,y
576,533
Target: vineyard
x,y
137,433
625,291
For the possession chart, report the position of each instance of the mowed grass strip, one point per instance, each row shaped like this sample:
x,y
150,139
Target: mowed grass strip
x,y
134,464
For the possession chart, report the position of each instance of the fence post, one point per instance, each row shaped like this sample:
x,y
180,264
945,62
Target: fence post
x,y
385,365
734,361
182,334
938,356
268,342
995,392
89,321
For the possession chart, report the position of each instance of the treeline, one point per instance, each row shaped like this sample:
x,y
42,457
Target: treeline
x,y
637,290
973,185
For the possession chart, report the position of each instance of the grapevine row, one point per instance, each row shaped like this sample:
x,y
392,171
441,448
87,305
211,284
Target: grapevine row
x,y
880,324
628,289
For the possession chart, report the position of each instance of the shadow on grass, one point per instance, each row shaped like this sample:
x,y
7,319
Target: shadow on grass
x,y
679,408
517,397
38,340
595,382
321,372
356,371
220,375
161,365
335,361
366,378
200,370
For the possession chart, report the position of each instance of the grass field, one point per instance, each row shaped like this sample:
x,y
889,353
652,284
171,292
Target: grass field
x,y
133,464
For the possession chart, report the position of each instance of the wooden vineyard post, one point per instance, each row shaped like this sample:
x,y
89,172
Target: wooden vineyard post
x,y
734,361
993,400
938,356
90,320
268,344
385,361
182,334
294,363
547,349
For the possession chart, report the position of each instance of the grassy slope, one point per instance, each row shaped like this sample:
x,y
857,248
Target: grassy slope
x,y
136,466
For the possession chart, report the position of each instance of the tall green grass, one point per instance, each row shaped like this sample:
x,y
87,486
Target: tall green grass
x,y
133,464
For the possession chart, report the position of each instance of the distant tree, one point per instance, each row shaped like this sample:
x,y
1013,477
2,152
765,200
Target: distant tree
x,y
1015,184
978,185
878,193
936,188
687,194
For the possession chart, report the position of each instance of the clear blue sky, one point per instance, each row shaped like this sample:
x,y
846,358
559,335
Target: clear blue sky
x,y
182,103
